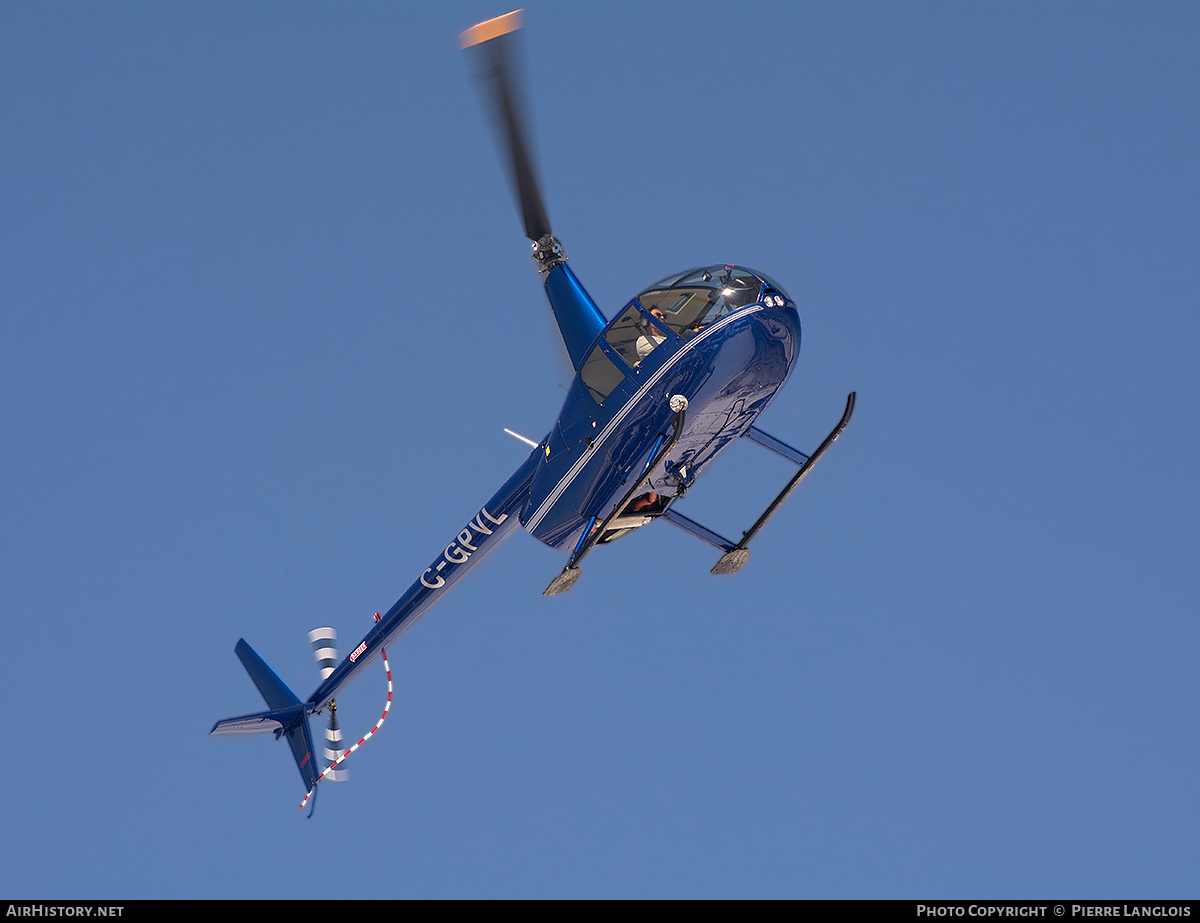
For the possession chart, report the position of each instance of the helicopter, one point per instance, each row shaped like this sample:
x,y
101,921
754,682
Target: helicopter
x,y
680,373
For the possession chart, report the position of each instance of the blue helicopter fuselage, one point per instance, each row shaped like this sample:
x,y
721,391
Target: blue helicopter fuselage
x,y
660,389
728,370
723,337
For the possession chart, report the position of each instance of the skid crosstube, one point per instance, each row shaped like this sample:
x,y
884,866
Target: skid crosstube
x,y
737,555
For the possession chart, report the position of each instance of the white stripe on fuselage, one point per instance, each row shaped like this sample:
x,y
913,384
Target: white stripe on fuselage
x,y
570,476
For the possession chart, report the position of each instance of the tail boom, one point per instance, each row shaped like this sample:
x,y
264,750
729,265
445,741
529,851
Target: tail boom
x,y
490,526
287,716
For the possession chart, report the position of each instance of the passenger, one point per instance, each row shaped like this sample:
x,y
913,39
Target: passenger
x,y
645,500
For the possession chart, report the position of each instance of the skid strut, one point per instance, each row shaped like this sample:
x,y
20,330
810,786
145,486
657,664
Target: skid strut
x,y
570,573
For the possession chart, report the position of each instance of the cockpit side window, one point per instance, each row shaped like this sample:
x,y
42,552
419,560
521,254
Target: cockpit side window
x,y
633,336
600,374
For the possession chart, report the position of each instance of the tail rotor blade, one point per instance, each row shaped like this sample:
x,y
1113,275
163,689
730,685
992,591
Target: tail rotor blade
x,y
324,642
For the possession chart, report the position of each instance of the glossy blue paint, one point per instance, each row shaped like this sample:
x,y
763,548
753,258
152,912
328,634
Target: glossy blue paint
x,y
579,320
488,528
682,370
287,717
728,370
722,337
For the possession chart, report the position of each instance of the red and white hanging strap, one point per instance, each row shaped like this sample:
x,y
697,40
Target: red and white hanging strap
x,y
378,725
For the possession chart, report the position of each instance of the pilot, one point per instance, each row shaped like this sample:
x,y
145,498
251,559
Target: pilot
x,y
652,337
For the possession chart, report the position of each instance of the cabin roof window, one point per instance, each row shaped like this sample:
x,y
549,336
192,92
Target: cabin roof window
x,y
694,299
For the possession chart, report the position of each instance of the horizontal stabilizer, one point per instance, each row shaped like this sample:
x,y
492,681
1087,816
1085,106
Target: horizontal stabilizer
x,y
262,723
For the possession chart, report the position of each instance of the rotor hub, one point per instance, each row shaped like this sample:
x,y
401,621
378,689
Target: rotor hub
x,y
548,253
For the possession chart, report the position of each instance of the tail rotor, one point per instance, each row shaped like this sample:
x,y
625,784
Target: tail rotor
x,y
324,642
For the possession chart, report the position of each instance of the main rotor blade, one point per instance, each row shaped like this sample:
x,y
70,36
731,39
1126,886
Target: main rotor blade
x,y
496,43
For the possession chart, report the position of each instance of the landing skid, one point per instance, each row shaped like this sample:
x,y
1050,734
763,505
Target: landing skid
x,y
563,581
737,555
731,562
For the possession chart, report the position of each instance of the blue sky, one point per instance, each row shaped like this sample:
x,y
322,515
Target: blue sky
x,y
267,310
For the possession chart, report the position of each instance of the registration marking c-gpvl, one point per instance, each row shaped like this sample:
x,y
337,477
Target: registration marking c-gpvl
x,y
463,546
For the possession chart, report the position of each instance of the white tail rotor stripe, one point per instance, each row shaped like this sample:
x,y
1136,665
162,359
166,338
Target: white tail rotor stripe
x,y
331,771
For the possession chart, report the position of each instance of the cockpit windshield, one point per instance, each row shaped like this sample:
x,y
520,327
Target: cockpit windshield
x,y
689,301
